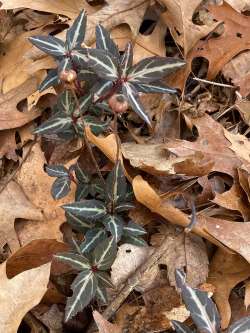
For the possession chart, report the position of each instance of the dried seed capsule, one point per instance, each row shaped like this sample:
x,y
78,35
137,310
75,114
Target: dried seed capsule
x,y
68,76
118,103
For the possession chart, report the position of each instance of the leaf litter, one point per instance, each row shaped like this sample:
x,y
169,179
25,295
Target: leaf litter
x,y
196,152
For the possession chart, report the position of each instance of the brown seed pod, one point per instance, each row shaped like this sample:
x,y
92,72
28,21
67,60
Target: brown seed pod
x,y
118,103
68,76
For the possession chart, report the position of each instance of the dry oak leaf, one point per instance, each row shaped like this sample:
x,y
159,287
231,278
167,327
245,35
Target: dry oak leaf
x,y
230,236
234,200
10,116
226,271
68,8
243,106
239,5
178,18
20,294
15,204
247,294
103,325
37,185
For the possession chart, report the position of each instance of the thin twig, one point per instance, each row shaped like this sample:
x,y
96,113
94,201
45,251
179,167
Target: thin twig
x,y
132,282
214,83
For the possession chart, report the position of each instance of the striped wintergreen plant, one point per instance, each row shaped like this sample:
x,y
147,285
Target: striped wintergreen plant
x,y
98,83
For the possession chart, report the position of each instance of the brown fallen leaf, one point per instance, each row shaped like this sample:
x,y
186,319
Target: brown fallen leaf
x,y
247,294
226,271
243,106
234,200
15,204
37,186
8,144
10,116
105,326
223,233
239,5
178,17
20,294
64,7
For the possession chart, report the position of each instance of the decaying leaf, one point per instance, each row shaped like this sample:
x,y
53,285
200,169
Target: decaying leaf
x,y
178,17
105,326
20,294
226,271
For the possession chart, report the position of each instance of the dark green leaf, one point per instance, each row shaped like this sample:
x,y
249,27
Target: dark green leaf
x,y
202,309
153,68
60,187
104,254
64,65
116,184
81,175
82,191
180,327
134,240
86,74
104,41
123,206
92,238
101,295
103,279
154,87
79,57
77,222
103,63
114,224
54,125
76,33
91,210
240,326
96,126
133,98
134,229
101,89
49,44
58,170
76,261
84,289
127,59
85,102
51,80
96,187
66,102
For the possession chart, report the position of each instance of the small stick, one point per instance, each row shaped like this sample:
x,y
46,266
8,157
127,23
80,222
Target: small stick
x,y
214,83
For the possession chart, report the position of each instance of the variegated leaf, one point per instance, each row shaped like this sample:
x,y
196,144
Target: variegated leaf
x,y
153,68
101,89
92,238
81,175
134,229
180,327
154,87
54,125
103,63
49,44
60,188
58,170
51,80
84,289
96,188
104,41
133,98
86,74
202,309
76,33
104,279
66,102
116,184
79,57
127,60
101,295
135,240
85,102
114,224
104,254
64,65
96,126
77,222
123,206
240,326
76,261
91,210
82,191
